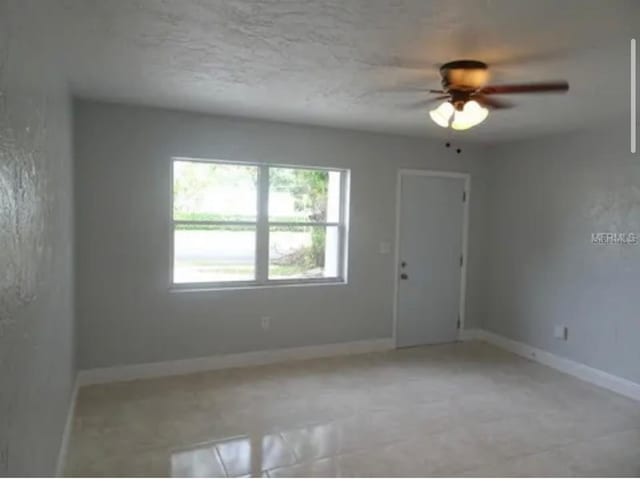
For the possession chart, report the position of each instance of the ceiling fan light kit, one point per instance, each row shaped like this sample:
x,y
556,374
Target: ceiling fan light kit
x,y
468,97
471,114
442,114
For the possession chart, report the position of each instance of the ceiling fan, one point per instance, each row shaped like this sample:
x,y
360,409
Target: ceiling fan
x,y
467,98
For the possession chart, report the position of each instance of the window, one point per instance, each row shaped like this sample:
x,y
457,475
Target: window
x,y
254,224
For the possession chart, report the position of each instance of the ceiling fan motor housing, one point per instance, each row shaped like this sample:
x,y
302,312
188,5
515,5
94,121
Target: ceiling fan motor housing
x,y
464,75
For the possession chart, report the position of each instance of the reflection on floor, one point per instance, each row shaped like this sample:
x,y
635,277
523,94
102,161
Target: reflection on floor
x,y
458,409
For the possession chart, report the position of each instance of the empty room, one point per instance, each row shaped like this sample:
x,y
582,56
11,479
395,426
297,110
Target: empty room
x,y
319,238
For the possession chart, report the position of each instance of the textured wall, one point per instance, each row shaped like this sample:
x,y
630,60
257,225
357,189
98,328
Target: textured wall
x,y
36,298
546,198
126,313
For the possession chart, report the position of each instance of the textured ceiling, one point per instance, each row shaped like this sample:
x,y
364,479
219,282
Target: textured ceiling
x,y
334,62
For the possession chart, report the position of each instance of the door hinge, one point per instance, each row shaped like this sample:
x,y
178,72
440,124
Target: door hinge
x,y
464,196
458,325
461,260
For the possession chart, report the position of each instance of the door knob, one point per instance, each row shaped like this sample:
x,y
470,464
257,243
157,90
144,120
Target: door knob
x,y
403,276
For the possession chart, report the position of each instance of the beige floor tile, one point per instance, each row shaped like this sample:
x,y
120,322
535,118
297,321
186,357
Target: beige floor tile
x,y
615,454
319,468
318,441
544,464
442,454
437,410
364,431
517,436
197,462
611,455
254,454
154,463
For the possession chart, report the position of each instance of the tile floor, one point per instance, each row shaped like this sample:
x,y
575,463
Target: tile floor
x,y
465,409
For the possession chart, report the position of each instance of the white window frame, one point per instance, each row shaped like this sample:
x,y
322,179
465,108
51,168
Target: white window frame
x,y
262,225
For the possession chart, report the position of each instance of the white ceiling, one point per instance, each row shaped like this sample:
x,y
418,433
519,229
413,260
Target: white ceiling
x,y
332,62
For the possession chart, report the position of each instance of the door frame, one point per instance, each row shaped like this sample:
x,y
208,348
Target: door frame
x,y
465,241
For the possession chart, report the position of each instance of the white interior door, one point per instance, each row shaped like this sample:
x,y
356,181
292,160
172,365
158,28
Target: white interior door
x,y
430,244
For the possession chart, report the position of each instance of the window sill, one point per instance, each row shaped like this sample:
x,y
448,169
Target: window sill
x,y
177,288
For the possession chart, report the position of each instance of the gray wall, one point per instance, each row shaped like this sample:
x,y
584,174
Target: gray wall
x,y
125,311
36,237
546,198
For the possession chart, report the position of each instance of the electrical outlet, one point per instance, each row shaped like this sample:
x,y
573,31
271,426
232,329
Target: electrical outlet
x,y
265,322
561,332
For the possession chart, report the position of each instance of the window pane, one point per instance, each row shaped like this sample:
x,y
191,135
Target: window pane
x,y
214,253
214,192
297,252
303,195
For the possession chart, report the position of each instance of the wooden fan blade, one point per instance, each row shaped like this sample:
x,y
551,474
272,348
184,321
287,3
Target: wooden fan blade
x,y
559,87
424,103
492,103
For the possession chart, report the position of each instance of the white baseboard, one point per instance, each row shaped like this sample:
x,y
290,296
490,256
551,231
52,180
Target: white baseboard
x,y
468,334
66,434
603,379
224,361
